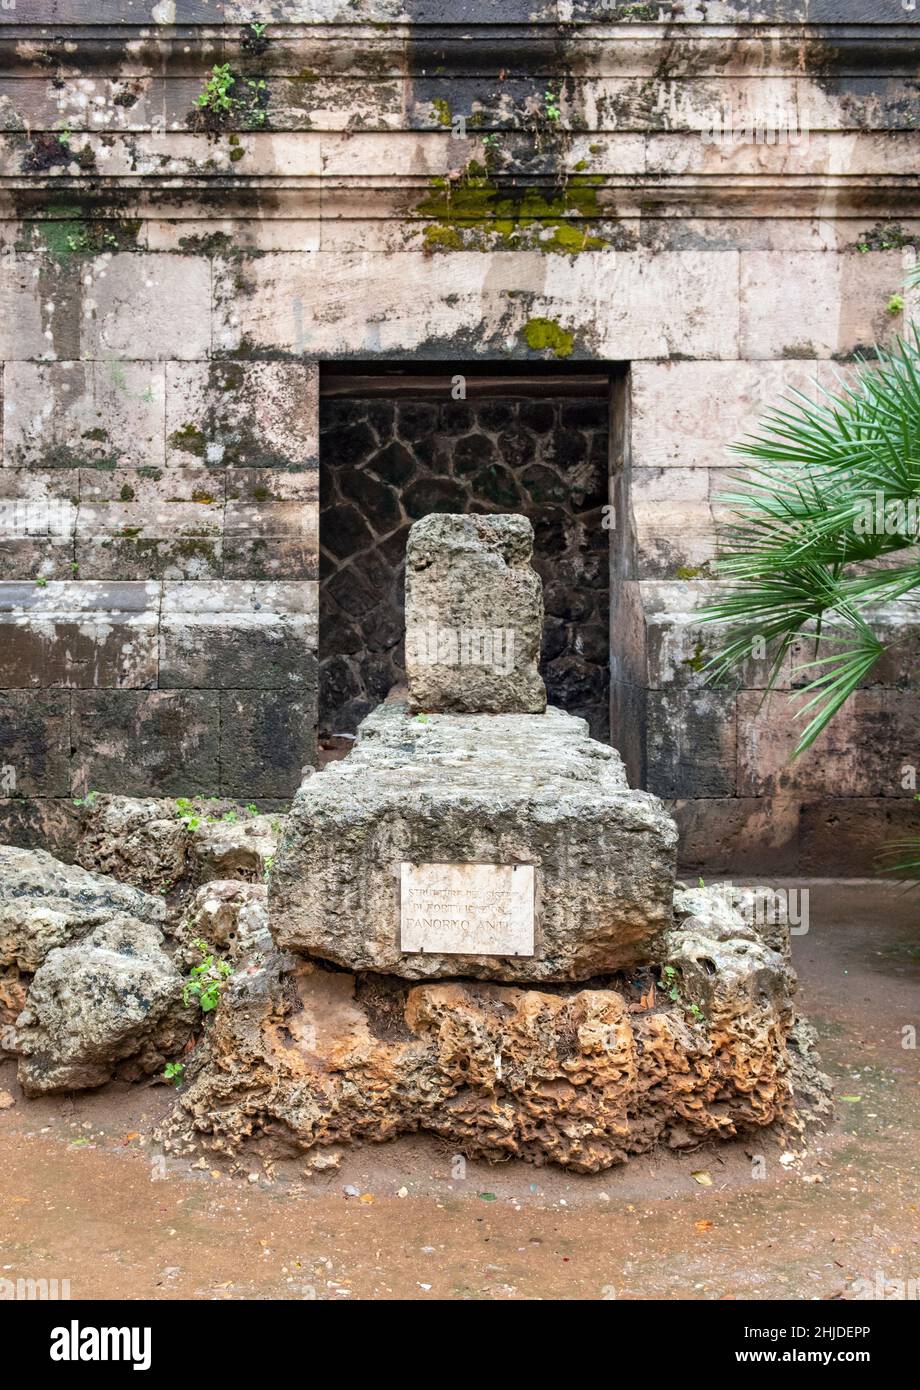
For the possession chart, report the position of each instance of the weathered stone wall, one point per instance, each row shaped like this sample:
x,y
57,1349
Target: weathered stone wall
x,y
385,463
172,274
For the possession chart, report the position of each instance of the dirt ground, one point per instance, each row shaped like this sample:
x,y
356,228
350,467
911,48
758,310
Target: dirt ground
x,y
84,1195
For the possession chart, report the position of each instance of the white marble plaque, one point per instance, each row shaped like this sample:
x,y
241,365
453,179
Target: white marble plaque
x,y
467,909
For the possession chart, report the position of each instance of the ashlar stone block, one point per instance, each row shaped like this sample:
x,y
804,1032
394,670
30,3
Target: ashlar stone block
x,y
475,789
474,615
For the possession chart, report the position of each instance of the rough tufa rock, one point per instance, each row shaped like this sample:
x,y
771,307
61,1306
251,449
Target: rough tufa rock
x,y
493,789
140,840
111,1001
45,903
230,916
236,849
148,841
474,615
301,1058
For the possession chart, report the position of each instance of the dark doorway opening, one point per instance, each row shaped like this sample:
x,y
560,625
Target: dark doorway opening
x,y
398,443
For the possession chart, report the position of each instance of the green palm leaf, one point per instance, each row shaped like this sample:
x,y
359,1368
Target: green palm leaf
x,y
828,506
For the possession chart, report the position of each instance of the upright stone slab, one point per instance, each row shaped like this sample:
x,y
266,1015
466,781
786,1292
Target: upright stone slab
x,y
474,616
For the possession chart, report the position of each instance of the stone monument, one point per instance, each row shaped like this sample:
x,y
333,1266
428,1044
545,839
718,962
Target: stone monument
x,y
500,845
476,928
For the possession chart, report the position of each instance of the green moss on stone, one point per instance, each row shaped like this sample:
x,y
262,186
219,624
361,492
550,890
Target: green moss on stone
x,y
542,335
442,239
697,661
473,213
189,439
67,232
886,236
442,111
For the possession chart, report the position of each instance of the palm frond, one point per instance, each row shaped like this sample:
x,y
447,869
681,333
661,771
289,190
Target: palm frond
x,y
842,672
905,854
814,529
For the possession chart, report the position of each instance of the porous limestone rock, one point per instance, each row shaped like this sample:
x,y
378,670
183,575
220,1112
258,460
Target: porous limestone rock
x,y
474,615
110,1001
300,1057
229,915
242,849
13,985
150,842
492,789
140,840
45,903
718,910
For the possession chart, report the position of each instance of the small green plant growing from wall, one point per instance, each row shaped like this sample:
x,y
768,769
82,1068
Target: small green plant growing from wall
x,y
187,814
82,241
670,983
205,980
227,97
551,108
253,38
173,1071
190,813
216,96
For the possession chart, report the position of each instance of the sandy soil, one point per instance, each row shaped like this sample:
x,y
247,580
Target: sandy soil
x,y
85,1196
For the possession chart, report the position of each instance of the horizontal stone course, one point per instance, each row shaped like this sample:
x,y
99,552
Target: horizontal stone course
x,y
863,751
267,739
142,743
238,634
78,635
243,414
